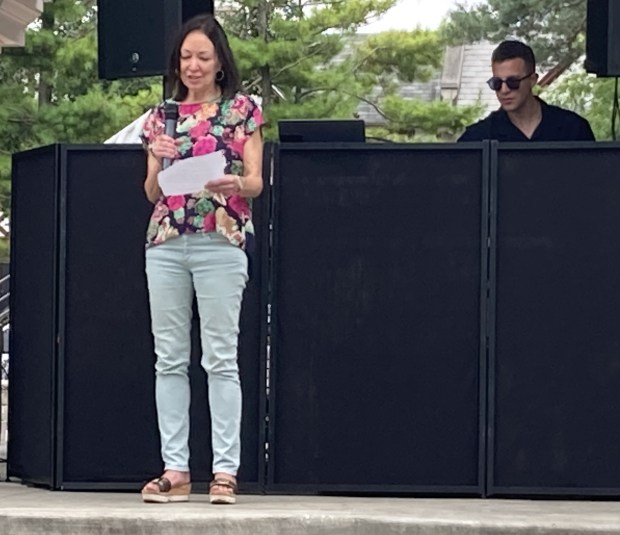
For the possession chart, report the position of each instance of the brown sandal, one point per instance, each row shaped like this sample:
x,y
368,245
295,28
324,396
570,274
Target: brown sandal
x,y
227,497
166,492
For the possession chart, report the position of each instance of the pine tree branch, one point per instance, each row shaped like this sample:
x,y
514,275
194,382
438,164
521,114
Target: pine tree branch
x,y
374,105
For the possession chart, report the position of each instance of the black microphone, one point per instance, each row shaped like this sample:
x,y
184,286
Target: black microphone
x,y
171,114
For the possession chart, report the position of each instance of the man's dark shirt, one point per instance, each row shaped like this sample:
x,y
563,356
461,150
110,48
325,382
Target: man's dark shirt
x,y
557,124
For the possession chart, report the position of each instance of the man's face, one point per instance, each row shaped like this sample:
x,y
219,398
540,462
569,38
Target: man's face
x,y
514,99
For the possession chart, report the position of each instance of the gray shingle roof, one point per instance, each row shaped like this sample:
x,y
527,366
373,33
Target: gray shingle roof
x,y
462,80
476,70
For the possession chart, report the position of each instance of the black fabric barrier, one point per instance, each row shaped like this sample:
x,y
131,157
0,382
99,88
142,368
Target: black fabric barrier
x,y
377,376
34,234
555,360
82,362
443,320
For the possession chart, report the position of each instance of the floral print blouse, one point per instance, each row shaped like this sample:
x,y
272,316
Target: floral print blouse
x,y
203,128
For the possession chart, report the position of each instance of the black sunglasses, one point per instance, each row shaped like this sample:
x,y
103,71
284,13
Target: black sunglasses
x,y
511,82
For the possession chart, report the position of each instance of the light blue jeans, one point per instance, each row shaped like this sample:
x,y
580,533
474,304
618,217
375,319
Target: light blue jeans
x,y
217,271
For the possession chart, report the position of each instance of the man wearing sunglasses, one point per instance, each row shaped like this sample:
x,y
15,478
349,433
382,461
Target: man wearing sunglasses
x,y
523,116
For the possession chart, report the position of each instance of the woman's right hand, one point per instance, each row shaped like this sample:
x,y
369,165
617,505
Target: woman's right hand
x,y
164,147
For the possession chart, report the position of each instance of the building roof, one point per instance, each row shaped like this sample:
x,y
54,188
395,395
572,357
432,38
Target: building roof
x,y
15,16
461,80
470,76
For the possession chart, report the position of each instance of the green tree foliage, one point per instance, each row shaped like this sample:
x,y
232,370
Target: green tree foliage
x,y
554,28
392,58
50,90
292,53
413,120
587,95
407,55
305,60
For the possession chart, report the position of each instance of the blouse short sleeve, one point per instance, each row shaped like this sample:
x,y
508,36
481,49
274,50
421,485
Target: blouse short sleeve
x,y
153,126
254,117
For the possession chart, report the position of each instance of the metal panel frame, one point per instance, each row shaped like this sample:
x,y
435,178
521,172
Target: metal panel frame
x,y
56,480
493,490
64,151
272,487
267,433
50,481
265,284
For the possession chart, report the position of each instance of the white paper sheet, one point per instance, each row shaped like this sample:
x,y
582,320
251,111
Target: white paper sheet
x,y
191,174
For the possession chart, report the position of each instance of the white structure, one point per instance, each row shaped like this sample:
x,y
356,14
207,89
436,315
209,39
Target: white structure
x,y
15,16
131,133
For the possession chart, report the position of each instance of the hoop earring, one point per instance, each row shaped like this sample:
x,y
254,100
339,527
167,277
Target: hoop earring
x,y
219,76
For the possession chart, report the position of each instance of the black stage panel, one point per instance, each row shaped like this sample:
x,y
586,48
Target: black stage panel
x,y
555,360
32,343
377,376
108,426
103,426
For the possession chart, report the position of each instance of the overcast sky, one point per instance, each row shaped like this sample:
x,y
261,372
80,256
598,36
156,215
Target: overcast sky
x,y
408,14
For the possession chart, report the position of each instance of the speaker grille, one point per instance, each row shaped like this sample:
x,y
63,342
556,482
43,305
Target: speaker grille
x,y
32,396
378,319
603,38
557,348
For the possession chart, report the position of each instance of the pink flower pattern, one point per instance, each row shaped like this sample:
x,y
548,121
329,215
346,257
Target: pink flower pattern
x,y
205,145
239,205
200,130
203,129
209,222
175,202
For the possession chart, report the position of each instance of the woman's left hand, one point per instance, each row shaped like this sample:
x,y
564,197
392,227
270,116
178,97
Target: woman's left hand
x,y
227,185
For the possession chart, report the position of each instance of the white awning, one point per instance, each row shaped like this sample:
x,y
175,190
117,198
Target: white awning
x,y
15,16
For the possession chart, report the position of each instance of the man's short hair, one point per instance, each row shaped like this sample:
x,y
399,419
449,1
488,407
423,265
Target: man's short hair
x,y
512,50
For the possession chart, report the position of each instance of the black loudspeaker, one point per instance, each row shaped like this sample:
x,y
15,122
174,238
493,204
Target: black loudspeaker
x,y
555,361
135,36
191,8
81,407
377,367
603,38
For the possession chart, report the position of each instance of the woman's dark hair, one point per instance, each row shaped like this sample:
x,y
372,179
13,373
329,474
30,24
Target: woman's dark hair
x,y
512,50
230,82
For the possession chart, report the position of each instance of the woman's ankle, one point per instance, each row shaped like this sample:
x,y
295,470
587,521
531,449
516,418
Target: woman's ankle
x,y
224,475
177,477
